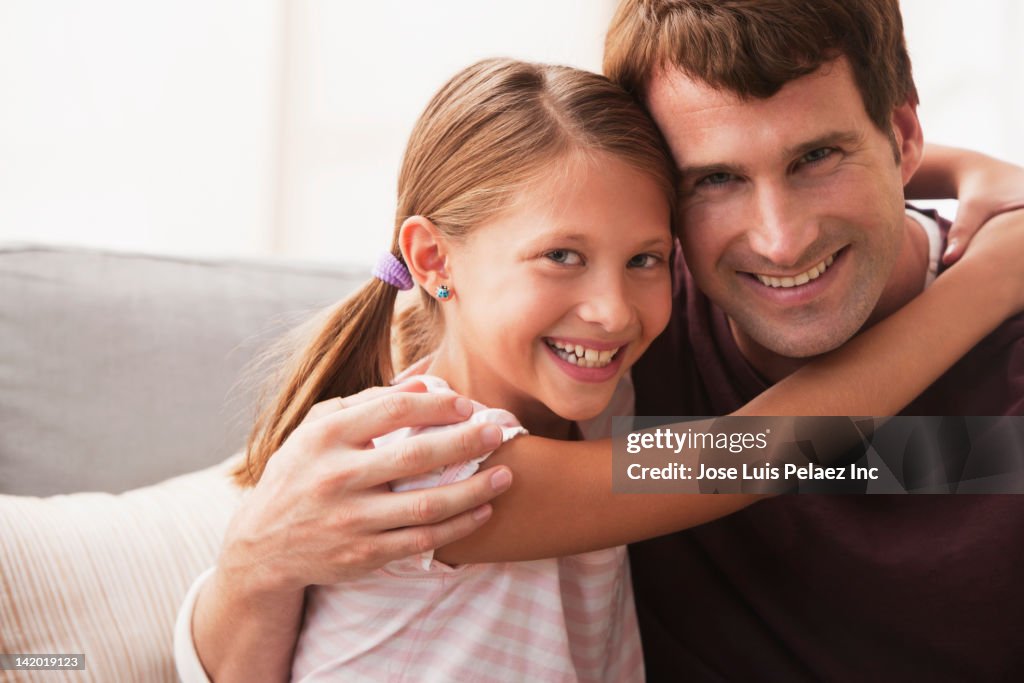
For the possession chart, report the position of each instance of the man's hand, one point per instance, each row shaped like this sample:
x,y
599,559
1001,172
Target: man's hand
x,y
322,511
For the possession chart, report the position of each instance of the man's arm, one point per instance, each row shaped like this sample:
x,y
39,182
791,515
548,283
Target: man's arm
x,y
562,502
317,516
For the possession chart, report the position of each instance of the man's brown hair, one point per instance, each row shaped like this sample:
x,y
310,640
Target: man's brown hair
x,y
754,47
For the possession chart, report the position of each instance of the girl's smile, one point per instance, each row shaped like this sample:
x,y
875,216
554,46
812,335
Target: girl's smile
x,y
585,360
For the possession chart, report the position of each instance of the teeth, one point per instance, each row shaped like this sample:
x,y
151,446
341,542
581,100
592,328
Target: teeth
x,y
578,354
796,280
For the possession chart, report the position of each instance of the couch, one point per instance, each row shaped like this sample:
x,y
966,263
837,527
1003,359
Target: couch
x,y
124,401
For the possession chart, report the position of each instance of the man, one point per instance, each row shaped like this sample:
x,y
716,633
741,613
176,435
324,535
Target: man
x,y
799,176
794,128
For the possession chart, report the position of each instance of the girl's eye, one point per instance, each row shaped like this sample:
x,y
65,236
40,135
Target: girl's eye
x,y
566,257
643,261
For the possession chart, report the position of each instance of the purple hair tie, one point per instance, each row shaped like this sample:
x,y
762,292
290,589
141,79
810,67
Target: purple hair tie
x,y
392,271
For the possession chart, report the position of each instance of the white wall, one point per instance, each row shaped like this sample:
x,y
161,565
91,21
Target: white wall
x,y
968,61
258,127
357,81
140,124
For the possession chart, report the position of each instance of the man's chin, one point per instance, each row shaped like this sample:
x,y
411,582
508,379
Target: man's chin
x,y
799,341
803,346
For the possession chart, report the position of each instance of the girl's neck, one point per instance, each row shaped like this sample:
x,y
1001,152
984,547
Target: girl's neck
x,y
475,381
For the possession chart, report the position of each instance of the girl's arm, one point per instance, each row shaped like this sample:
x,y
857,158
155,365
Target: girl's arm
x,y
562,501
984,185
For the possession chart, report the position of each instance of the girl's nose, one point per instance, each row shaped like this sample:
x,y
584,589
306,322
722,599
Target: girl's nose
x,y
607,305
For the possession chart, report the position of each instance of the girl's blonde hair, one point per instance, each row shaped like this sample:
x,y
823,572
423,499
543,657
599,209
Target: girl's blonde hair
x,y
490,131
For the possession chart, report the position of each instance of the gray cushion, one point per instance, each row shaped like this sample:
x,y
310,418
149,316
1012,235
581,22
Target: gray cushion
x,y
118,370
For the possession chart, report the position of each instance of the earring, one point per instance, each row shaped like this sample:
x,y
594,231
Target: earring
x,y
443,292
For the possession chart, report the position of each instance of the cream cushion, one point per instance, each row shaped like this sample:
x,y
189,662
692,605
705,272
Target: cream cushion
x,y
104,574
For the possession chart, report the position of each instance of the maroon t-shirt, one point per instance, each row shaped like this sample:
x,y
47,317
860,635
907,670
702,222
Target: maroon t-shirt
x,y
816,587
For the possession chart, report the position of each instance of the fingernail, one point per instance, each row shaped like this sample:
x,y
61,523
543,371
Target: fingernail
x,y
482,513
950,248
463,406
491,436
501,480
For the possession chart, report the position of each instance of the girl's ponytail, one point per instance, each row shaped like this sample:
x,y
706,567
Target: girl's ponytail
x,y
349,350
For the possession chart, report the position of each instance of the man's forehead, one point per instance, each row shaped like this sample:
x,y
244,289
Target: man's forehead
x,y
672,86
693,114
685,93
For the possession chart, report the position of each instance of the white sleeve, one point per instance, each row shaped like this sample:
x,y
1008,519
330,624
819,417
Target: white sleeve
x,y
186,659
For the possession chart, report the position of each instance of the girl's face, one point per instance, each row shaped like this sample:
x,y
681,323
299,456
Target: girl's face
x,y
555,299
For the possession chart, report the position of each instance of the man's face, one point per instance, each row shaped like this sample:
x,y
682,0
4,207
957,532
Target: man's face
x,y
792,206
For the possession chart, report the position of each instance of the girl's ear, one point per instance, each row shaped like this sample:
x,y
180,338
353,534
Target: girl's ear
x,y
425,251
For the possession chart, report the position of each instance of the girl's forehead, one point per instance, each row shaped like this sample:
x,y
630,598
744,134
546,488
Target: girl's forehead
x,y
594,198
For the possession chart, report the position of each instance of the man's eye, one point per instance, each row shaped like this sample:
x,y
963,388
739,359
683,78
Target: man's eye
x,y
817,155
716,179
566,257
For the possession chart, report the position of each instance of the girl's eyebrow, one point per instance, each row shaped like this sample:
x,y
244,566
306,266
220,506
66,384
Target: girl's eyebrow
x,y
581,238
656,242
566,234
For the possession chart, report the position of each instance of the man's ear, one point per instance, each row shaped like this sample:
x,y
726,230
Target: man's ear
x,y
908,138
425,251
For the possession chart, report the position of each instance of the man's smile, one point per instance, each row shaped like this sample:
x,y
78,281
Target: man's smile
x,y
797,289
799,279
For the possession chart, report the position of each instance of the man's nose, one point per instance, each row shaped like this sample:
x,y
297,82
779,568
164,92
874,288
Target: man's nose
x,y
607,303
782,229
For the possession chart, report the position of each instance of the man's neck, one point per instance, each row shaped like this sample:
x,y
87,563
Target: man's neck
x,y
905,282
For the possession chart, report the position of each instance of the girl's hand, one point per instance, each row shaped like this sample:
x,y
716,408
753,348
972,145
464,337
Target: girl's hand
x,y
985,186
996,253
322,511
986,189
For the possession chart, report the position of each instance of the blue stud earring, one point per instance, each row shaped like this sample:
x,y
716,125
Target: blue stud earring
x,y
443,292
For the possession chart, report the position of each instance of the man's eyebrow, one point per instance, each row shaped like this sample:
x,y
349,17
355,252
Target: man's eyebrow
x,y
830,139
841,138
709,169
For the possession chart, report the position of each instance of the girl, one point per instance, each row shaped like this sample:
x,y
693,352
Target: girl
x,y
535,216
512,173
